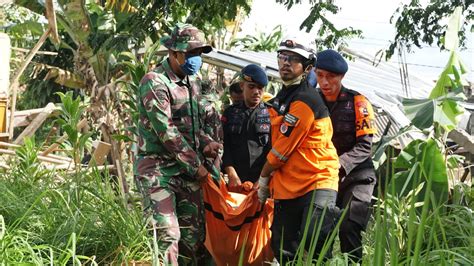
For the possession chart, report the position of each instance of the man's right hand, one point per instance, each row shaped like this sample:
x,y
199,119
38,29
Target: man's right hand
x,y
212,150
234,181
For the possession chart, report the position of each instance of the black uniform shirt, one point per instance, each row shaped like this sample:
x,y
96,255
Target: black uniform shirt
x,y
354,152
246,139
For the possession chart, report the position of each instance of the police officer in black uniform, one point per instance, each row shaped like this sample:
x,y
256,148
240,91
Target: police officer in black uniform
x,y
246,130
353,125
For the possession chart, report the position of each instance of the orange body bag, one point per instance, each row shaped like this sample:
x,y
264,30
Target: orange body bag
x,y
237,226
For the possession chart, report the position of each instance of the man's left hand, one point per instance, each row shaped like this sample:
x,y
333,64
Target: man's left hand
x,y
212,150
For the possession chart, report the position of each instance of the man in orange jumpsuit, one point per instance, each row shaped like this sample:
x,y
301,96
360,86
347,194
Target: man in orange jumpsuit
x,y
301,171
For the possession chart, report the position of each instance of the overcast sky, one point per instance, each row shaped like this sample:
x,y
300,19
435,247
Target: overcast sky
x,y
370,16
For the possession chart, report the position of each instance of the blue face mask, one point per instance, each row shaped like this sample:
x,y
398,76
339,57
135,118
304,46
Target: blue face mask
x,y
192,64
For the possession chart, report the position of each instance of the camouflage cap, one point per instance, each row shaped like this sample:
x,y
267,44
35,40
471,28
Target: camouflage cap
x,y
184,38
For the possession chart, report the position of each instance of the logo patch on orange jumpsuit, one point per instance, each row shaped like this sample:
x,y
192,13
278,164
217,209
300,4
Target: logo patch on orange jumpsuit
x,y
365,117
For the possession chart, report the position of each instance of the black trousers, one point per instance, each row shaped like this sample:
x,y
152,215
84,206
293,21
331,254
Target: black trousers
x,y
355,193
290,217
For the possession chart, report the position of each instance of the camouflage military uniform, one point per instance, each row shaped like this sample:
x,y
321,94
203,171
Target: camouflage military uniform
x,y
208,113
170,141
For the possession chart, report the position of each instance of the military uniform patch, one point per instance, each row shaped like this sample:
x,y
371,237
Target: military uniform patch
x,y
283,128
264,127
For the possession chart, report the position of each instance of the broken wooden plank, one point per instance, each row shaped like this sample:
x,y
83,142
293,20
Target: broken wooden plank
x,y
24,117
41,158
101,151
9,145
461,137
35,124
52,156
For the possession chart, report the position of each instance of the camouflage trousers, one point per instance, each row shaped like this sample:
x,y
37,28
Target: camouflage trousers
x,y
177,214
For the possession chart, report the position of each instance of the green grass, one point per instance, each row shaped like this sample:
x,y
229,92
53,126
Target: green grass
x,y
56,218
48,218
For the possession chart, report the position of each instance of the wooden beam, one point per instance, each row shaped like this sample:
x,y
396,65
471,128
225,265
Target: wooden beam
x,y
23,50
35,124
41,158
100,153
461,137
51,15
16,79
24,117
52,156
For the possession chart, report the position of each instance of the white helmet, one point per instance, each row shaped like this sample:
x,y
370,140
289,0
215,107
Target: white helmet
x,y
290,44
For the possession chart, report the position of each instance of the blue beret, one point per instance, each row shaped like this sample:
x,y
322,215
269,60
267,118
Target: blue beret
x,y
331,61
254,73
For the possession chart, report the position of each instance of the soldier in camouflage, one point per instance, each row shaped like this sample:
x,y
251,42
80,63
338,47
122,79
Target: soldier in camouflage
x,y
172,146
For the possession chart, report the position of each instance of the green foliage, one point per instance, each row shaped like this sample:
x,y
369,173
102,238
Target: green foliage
x,y
413,220
329,35
20,24
450,78
260,41
28,162
442,108
417,24
41,85
443,111
445,232
418,162
70,115
43,222
135,69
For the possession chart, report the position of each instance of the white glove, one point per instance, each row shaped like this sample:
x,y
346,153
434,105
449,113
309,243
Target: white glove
x,y
263,191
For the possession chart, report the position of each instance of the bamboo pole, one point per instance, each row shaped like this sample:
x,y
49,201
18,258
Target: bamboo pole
x,y
14,86
51,16
41,158
23,50
52,156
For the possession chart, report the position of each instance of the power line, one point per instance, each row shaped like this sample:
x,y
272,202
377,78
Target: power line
x,y
469,49
414,64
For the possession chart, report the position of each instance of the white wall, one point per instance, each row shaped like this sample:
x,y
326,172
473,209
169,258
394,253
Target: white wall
x,y
4,64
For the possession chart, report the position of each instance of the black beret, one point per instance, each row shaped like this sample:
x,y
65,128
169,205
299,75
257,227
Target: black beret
x,y
331,61
254,73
